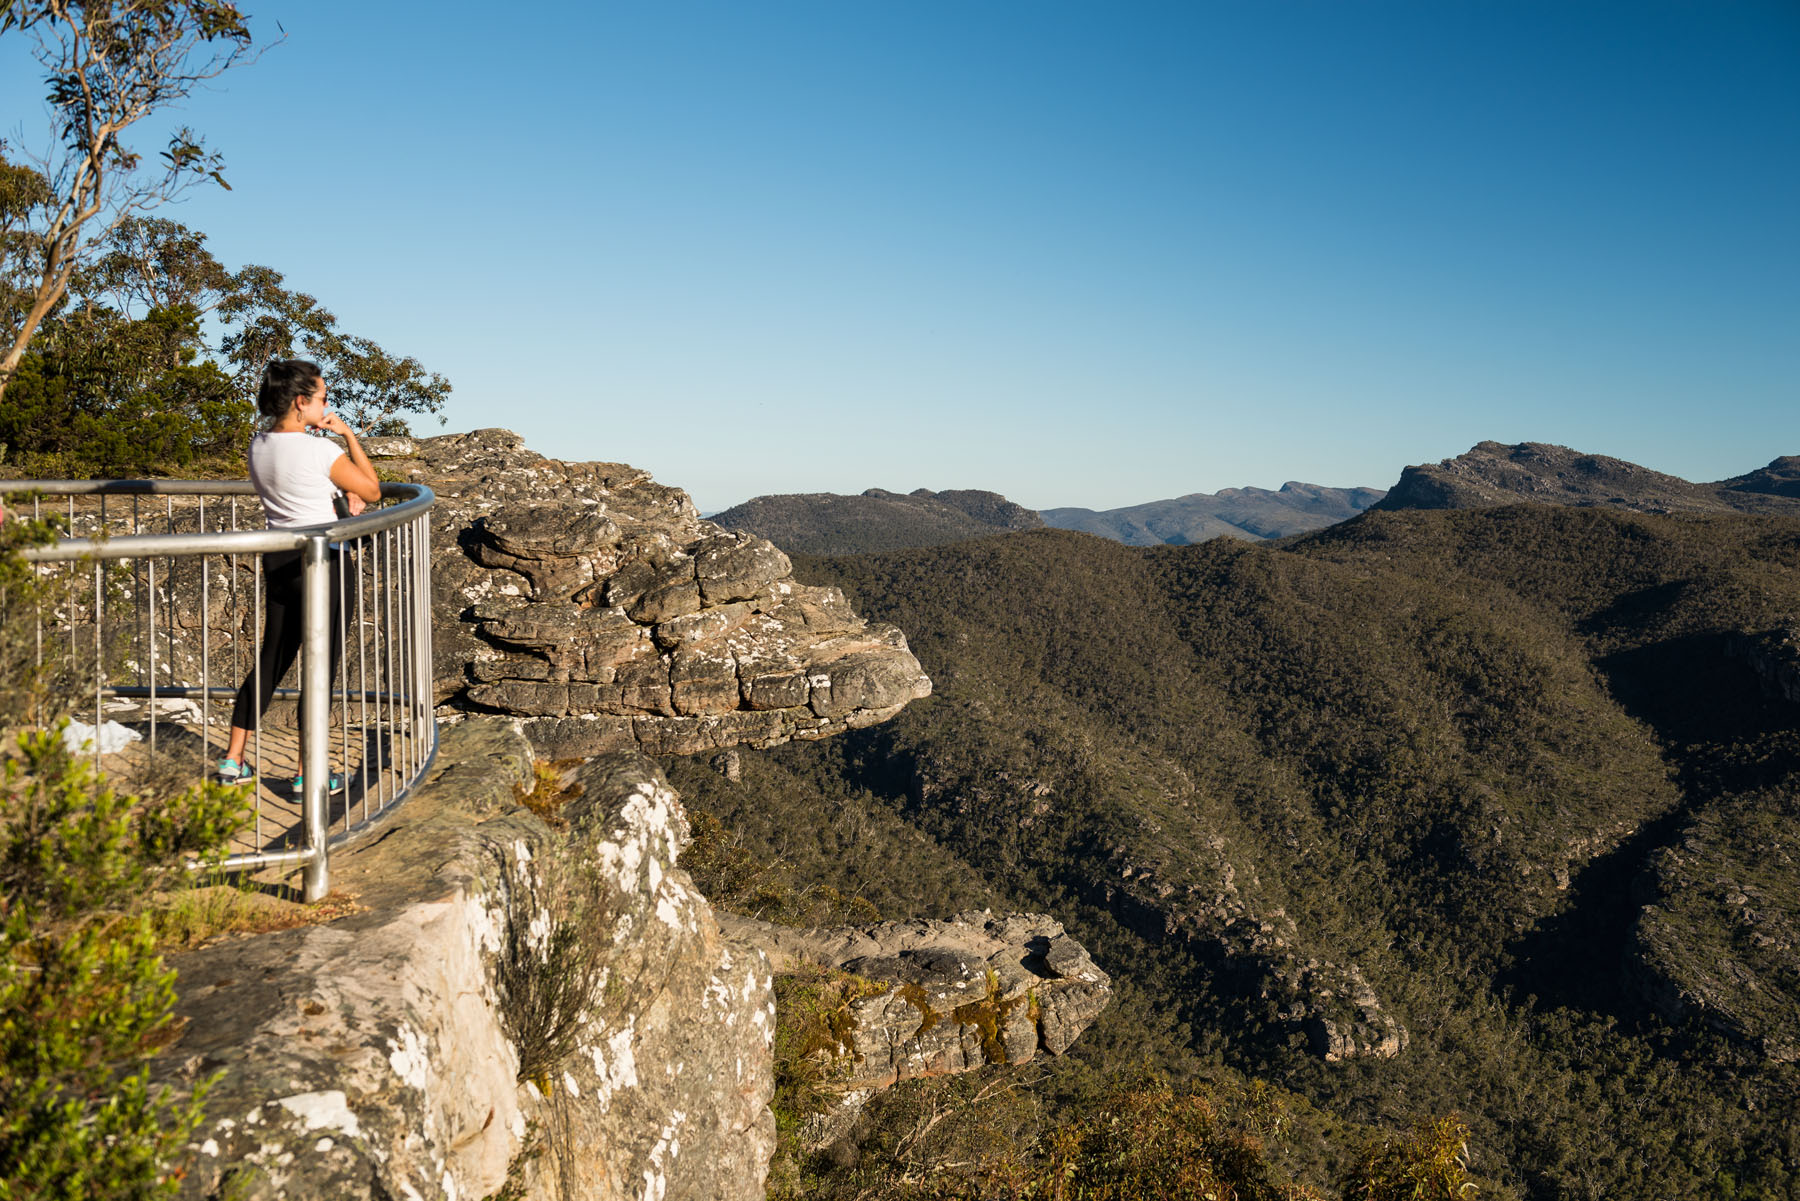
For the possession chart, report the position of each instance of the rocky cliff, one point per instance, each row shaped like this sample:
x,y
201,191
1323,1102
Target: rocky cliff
x,y
1717,938
1493,473
1774,657
934,998
598,607
381,1056
546,1006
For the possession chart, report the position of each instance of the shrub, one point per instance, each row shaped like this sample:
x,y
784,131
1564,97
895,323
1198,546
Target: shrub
x,y
551,965
84,998
1431,1164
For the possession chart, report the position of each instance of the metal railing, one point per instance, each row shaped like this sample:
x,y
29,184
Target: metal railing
x,y
156,604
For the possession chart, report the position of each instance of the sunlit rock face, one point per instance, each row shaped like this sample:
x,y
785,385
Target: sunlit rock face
x,y
935,998
597,606
381,1056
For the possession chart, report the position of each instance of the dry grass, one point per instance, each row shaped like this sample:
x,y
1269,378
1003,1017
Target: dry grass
x,y
551,787
196,917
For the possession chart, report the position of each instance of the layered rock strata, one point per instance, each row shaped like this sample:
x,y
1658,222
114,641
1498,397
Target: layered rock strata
x,y
938,997
379,1056
596,605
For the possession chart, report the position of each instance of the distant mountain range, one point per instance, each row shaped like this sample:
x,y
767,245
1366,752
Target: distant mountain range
x,y
1487,475
1249,513
825,523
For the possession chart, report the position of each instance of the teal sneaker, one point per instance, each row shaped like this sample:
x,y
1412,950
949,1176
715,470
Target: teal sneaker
x,y
230,771
334,784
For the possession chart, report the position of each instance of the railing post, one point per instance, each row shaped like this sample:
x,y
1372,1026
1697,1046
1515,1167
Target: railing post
x,y
394,620
315,712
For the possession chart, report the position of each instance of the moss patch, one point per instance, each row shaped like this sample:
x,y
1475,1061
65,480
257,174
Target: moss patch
x,y
989,1016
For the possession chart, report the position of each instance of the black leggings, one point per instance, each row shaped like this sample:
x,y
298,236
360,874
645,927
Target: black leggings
x,y
283,602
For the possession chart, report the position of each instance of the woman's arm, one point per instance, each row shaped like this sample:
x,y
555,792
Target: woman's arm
x,y
352,470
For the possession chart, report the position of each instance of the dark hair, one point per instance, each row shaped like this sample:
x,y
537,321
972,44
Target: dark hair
x,y
284,381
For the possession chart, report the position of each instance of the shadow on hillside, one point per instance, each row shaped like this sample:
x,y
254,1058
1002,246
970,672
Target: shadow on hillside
x,y
1720,735
1720,732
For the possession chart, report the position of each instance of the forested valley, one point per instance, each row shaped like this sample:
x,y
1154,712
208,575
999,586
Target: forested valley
x,y
1482,815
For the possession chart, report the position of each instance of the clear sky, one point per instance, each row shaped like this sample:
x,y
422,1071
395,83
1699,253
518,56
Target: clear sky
x,y
1085,254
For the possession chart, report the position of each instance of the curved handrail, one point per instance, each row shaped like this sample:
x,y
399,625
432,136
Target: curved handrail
x,y
397,538
418,498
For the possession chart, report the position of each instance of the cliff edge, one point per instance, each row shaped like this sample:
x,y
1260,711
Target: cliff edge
x,y
417,1048
598,607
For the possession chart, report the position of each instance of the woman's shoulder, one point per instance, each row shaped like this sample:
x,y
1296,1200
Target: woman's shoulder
x,y
295,442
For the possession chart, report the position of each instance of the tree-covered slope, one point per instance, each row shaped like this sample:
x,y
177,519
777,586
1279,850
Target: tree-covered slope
x,y
1388,786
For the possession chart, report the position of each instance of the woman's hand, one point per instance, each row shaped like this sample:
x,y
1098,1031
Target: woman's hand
x,y
331,423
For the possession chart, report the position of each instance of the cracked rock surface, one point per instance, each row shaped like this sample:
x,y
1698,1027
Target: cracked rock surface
x,y
372,1057
944,997
598,606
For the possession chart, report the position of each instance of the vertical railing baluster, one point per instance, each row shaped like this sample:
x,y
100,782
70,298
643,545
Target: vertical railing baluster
x,y
37,603
315,712
74,655
379,634
254,652
205,649
402,693
427,665
387,601
341,633
137,602
99,624
150,586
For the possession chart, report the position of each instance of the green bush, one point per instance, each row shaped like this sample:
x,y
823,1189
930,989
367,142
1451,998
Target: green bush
x,y
84,997
1431,1164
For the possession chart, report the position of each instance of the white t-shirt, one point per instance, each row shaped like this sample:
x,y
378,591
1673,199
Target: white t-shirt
x,y
292,474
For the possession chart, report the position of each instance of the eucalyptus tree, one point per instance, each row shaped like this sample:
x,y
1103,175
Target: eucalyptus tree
x,y
108,65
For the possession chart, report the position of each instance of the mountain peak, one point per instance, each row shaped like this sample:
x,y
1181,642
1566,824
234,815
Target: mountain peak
x,y
1496,473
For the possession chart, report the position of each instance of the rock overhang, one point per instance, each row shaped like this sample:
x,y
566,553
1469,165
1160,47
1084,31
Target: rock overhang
x,y
600,609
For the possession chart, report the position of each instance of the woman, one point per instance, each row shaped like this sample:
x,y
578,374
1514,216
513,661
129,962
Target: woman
x,y
296,475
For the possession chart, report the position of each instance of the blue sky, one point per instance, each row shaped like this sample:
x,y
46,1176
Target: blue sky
x,y
1079,253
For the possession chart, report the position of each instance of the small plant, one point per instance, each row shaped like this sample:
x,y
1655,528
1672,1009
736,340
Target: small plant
x,y
192,917
814,1039
549,791
531,1148
551,966
84,998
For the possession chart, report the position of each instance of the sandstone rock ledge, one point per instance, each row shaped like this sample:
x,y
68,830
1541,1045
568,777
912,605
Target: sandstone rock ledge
x,y
943,997
369,1058
598,606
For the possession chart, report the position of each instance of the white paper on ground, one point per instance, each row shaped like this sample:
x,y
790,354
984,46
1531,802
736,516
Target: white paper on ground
x,y
79,737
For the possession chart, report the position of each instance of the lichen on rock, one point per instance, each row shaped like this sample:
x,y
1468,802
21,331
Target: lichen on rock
x,y
942,997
